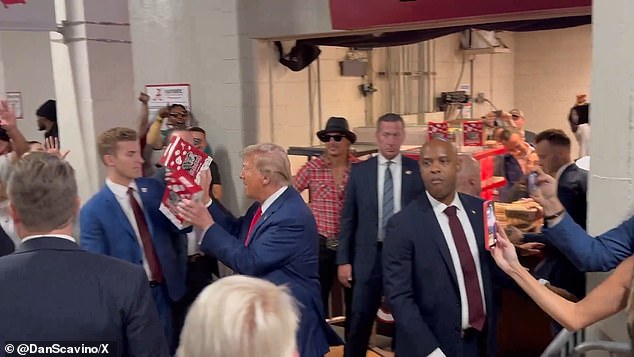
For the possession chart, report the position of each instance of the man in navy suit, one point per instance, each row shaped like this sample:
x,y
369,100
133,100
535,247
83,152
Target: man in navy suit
x,y
276,240
123,221
54,291
377,188
553,149
437,272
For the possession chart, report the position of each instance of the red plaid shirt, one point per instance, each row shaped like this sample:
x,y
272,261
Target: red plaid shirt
x,y
326,198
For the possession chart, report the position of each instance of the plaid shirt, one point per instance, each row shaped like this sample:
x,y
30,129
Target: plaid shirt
x,y
326,198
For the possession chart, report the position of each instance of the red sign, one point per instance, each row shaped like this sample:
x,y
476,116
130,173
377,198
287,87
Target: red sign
x,y
365,14
12,2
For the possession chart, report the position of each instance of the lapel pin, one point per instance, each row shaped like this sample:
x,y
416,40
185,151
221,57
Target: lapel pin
x,y
143,189
472,211
408,172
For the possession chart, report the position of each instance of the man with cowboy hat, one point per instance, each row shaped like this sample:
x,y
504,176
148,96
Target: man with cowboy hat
x,y
325,177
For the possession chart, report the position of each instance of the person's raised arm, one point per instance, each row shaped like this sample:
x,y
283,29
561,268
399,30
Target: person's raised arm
x,y
8,122
605,300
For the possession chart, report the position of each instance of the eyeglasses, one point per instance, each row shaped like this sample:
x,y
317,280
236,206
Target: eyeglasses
x,y
182,115
326,138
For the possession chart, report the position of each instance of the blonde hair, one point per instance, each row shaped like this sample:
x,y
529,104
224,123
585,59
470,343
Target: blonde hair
x,y
240,316
271,160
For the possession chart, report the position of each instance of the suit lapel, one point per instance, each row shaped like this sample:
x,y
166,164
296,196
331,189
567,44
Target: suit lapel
x,y
143,194
265,218
474,212
406,179
430,224
114,205
373,183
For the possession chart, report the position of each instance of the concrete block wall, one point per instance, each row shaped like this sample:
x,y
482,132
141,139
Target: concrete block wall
x,y
28,73
551,67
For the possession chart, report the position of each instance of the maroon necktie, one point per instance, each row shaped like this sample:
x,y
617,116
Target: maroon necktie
x,y
256,218
469,271
150,255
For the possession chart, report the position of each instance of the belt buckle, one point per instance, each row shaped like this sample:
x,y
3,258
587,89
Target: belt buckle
x,y
332,243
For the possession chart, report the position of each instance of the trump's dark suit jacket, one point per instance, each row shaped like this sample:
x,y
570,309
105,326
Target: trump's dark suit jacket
x,y
282,249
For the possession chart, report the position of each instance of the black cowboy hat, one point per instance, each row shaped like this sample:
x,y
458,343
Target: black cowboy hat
x,y
337,125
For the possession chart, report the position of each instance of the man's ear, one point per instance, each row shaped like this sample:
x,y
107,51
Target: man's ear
x,y
108,160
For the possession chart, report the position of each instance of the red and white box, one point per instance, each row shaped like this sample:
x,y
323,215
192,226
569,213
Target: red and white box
x,y
180,155
438,130
473,133
180,185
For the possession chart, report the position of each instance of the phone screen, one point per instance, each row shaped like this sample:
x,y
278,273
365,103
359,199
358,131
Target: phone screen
x,y
532,182
489,225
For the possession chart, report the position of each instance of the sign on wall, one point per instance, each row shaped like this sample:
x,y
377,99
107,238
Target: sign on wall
x,y
14,99
162,95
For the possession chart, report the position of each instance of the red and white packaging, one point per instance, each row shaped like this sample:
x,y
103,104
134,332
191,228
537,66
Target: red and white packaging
x,y
180,155
438,130
473,133
180,185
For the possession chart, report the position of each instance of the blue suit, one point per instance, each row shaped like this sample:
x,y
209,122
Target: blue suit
x,y
602,253
421,285
283,250
54,291
359,247
556,268
105,229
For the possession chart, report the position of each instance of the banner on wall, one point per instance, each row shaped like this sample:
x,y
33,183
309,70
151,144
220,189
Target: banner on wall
x,y
366,14
14,100
16,15
162,95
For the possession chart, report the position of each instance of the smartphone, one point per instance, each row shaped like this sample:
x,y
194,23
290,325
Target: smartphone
x,y
490,238
532,182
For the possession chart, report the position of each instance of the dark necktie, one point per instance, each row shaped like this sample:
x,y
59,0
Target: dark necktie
x,y
148,248
256,218
388,197
469,271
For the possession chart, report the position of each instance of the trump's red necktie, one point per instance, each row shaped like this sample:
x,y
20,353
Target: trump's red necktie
x,y
255,220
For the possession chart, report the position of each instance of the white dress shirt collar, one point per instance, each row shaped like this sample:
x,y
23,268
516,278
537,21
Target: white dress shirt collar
x,y
269,201
119,190
63,236
440,207
397,160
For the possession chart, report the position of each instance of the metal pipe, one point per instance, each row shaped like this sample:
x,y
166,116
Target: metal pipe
x,y
311,106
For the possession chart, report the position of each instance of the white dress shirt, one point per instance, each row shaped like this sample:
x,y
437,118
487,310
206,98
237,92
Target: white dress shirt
x,y
269,201
443,220
397,173
63,236
121,193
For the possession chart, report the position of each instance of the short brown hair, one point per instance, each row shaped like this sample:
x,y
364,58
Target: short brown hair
x,y
554,137
43,191
107,142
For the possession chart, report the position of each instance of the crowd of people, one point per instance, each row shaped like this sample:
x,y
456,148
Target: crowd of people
x,y
387,226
